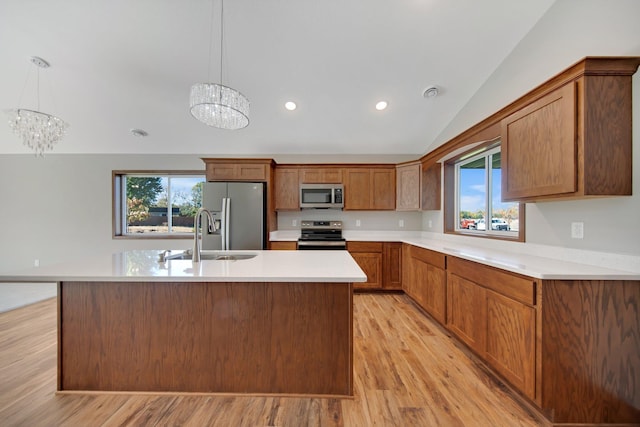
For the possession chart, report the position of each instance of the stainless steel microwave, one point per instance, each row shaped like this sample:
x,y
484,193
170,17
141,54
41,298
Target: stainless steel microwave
x,y
321,196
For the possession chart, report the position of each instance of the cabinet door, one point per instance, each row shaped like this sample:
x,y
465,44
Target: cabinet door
x,y
430,187
392,265
225,171
287,189
407,270
430,285
357,189
466,312
321,176
383,189
510,342
371,264
408,187
539,147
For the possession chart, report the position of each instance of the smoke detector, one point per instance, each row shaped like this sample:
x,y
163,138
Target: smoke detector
x,y
430,92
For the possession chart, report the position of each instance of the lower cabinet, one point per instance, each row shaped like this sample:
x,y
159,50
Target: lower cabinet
x,y
569,346
380,261
494,313
283,245
368,255
424,279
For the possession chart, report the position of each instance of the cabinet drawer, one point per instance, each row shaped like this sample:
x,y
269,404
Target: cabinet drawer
x,y
514,286
436,259
364,246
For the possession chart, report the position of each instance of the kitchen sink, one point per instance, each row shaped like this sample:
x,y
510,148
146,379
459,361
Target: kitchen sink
x,y
213,256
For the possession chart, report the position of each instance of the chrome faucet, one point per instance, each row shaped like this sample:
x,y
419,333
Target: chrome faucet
x,y
195,257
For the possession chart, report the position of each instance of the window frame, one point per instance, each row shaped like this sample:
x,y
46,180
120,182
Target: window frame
x,y
452,193
118,202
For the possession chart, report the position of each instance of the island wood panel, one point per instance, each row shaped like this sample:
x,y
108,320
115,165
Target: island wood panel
x,y
284,338
591,351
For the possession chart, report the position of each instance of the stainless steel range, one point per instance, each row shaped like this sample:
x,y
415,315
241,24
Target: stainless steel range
x,y
321,235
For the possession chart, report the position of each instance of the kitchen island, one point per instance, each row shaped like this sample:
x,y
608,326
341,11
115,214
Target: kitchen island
x,y
280,322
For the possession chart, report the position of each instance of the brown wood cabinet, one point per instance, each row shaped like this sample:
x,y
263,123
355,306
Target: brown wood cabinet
x,y
392,265
370,188
238,169
431,187
324,175
381,262
368,255
283,246
494,312
424,279
287,189
408,187
572,138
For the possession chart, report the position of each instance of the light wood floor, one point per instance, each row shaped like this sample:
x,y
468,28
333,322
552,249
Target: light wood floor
x,y
407,371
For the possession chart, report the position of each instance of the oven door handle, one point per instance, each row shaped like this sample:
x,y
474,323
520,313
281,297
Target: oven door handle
x,y
319,243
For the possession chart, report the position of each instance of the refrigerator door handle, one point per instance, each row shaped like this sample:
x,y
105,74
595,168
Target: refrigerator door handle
x,y
223,228
226,217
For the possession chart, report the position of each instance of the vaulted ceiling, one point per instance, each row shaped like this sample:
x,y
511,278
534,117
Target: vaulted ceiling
x,y
123,64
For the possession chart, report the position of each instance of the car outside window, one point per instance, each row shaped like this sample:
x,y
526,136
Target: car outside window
x,y
479,208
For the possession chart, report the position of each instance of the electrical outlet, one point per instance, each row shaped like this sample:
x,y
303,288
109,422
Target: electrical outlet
x,y
430,224
357,223
294,222
401,223
577,230
36,263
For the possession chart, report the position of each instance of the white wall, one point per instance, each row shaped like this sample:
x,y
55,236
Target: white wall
x,y
568,32
58,207
369,220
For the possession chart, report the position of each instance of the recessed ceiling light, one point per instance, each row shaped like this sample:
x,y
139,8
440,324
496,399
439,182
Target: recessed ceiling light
x,y
139,133
290,105
381,105
430,92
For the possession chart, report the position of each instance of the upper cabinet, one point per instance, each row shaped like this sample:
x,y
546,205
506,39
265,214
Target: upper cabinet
x,y
324,175
408,186
571,138
431,186
370,188
238,169
287,189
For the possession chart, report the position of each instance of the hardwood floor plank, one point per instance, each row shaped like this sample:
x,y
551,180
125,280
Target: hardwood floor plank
x,y
407,372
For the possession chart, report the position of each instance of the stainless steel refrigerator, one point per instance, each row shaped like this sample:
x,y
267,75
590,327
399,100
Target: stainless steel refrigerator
x,y
238,209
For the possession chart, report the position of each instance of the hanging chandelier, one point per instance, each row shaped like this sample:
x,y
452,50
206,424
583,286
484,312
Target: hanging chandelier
x,y
38,131
215,104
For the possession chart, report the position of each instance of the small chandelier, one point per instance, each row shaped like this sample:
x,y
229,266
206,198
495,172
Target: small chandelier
x,y
39,131
215,104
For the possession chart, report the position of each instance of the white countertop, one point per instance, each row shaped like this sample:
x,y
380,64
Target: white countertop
x,y
522,263
143,265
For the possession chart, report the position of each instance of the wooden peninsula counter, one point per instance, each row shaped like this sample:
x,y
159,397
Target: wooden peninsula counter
x,y
280,323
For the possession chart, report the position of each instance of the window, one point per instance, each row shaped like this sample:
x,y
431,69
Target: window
x,y
156,204
478,206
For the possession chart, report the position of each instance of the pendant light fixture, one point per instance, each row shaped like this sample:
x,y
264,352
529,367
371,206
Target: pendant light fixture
x,y
38,131
215,104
